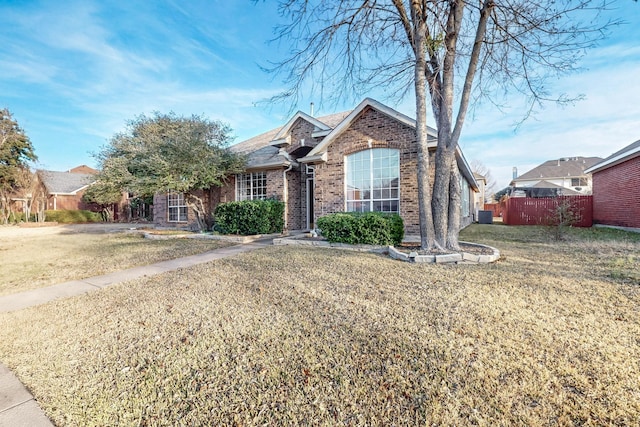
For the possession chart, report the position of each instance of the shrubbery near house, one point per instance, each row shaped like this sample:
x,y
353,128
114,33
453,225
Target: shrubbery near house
x,y
250,217
72,216
370,228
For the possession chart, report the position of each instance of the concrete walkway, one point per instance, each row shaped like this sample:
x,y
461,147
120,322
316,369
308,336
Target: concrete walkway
x,y
17,406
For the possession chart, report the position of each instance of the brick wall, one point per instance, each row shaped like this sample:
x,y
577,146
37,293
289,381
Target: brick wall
x,y
384,132
300,130
161,212
70,202
616,195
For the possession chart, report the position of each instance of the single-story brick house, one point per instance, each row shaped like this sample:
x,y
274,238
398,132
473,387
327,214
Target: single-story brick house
x,y
616,179
359,160
64,190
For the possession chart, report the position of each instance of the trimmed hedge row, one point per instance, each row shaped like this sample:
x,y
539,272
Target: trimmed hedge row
x,y
370,228
72,216
250,217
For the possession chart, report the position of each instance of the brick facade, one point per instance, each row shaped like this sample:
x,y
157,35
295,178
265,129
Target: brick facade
x,y
161,210
616,199
370,128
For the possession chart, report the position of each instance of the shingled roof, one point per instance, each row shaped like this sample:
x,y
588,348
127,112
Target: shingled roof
x,y
65,182
560,168
259,150
626,153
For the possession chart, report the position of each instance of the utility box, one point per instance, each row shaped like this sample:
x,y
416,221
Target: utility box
x,y
485,217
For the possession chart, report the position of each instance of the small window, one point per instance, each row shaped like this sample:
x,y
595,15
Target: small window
x,y
177,207
578,182
251,186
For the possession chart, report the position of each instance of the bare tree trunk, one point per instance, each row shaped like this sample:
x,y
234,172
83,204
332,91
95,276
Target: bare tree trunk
x,y
455,202
424,188
42,206
27,210
441,199
5,207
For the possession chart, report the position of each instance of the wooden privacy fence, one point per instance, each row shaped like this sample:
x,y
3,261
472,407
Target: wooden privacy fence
x,y
495,208
537,211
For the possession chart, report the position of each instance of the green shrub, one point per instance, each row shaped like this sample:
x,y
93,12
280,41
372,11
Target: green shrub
x,y
72,216
250,217
370,228
16,217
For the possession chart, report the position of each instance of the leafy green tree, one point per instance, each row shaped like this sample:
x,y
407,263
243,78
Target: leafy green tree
x,y
106,191
164,153
16,151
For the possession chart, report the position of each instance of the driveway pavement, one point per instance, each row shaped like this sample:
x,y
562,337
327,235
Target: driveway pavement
x,y
17,406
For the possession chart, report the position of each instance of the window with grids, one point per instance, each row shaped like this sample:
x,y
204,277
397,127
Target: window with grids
x,y
251,186
177,207
373,180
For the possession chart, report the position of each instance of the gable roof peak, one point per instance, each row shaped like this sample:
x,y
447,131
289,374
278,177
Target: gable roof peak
x,y
344,124
300,115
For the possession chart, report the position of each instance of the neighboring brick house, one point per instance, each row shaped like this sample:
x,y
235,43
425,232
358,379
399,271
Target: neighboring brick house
x,y
616,184
64,190
565,176
359,160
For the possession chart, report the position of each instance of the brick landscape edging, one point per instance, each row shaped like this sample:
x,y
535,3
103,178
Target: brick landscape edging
x,y
463,257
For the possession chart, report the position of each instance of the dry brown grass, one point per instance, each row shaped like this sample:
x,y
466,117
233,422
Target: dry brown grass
x,y
34,260
288,336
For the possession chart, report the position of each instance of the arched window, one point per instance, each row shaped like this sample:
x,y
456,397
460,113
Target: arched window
x,y
373,180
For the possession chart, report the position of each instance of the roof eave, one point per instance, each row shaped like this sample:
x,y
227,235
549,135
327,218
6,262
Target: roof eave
x,y
300,115
622,157
465,169
268,165
322,157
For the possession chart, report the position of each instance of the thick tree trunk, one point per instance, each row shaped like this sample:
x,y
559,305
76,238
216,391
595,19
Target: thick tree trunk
x,y
441,203
424,188
198,206
455,203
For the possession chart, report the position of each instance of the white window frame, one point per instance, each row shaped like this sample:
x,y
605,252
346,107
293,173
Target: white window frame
x,y
176,206
465,189
581,182
349,205
257,188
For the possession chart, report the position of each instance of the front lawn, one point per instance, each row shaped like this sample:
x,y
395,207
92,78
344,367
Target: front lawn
x,y
287,335
37,260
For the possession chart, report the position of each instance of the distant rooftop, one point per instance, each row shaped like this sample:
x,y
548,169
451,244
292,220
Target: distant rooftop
x,y
560,168
65,182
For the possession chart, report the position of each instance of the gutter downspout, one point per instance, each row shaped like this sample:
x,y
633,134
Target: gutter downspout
x,y
285,190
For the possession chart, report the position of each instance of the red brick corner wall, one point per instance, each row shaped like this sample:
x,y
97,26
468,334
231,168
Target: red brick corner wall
x,y
616,195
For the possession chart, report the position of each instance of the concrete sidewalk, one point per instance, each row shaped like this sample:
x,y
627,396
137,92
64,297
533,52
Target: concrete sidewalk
x,y
17,406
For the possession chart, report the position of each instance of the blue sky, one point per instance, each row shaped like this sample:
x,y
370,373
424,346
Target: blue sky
x,y
74,72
